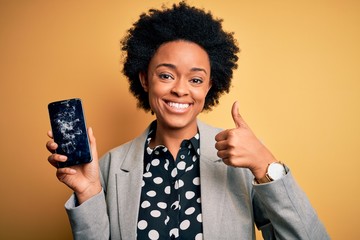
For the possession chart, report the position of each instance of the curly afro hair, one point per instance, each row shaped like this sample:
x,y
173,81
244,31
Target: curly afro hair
x,y
181,22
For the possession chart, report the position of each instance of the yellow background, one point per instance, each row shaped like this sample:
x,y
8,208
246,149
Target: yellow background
x,y
298,84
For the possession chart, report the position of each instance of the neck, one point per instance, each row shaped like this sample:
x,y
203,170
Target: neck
x,y
172,138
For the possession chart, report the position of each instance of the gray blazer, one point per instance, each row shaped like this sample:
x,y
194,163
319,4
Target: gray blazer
x,y
231,203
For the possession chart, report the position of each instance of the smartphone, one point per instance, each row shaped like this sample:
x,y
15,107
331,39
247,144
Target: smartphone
x,y
69,131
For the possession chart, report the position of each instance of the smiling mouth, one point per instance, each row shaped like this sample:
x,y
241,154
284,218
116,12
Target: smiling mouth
x,y
178,105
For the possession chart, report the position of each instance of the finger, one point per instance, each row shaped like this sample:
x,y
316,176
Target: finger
x,y
52,161
223,154
235,114
51,146
226,161
62,172
55,158
50,134
238,120
221,136
221,145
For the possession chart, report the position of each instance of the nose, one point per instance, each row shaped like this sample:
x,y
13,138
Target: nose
x,y
180,88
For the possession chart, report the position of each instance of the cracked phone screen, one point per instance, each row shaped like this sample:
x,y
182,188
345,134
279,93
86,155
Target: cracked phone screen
x,y
69,131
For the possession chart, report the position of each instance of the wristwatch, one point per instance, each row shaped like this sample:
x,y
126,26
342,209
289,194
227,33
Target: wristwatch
x,y
275,171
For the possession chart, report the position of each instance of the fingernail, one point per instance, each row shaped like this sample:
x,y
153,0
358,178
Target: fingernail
x,y
63,158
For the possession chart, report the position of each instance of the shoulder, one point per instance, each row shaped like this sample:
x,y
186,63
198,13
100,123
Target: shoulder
x,y
207,129
207,135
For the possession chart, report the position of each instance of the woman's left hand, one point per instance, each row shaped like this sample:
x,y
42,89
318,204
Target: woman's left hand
x,y
239,147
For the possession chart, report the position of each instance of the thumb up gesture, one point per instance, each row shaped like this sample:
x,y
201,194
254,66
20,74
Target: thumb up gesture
x,y
239,147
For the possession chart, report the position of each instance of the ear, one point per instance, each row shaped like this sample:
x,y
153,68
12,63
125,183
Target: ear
x,y
144,81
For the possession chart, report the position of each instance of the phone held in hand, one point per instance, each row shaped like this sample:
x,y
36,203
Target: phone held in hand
x,y
69,131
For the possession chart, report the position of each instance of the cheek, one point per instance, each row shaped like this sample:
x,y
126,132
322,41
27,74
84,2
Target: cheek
x,y
206,90
206,93
155,93
201,94
158,89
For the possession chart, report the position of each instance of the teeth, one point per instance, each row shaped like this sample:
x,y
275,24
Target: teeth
x,y
179,105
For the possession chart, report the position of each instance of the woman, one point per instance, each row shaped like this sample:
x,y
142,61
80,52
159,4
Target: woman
x,y
183,179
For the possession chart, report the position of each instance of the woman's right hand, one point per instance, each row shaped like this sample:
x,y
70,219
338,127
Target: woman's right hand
x,y
83,179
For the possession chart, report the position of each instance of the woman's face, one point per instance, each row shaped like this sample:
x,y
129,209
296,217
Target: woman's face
x,y
177,82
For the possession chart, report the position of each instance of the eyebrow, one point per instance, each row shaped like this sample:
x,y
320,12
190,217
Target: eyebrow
x,y
194,69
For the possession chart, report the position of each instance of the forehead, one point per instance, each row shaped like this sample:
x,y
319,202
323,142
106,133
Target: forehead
x,y
181,53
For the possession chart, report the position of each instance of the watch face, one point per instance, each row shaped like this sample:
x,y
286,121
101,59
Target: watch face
x,y
276,170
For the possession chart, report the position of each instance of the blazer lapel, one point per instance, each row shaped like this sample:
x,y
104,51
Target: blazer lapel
x,y
213,177
128,182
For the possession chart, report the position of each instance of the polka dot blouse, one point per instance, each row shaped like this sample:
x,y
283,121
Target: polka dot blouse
x,y
170,206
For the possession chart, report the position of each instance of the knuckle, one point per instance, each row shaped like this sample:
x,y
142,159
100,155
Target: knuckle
x,y
232,133
232,145
232,152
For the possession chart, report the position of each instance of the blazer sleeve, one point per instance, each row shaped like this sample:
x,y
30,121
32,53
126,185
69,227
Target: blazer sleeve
x,y
283,211
89,220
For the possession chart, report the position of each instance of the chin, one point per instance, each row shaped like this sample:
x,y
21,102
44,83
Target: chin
x,y
178,123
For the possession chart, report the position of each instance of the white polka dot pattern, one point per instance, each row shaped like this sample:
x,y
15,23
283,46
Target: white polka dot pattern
x,y
170,206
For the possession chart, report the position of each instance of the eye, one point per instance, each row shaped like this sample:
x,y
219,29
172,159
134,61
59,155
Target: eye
x,y
165,76
196,81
